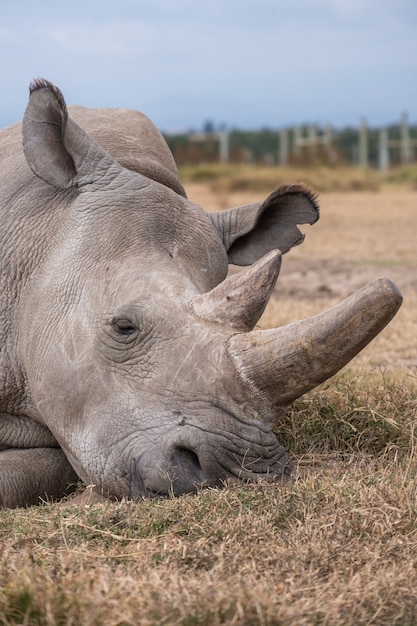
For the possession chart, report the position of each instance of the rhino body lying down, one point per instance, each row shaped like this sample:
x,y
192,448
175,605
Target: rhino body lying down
x,y
128,358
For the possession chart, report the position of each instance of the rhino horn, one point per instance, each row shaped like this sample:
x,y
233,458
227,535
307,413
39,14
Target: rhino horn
x,y
279,365
241,298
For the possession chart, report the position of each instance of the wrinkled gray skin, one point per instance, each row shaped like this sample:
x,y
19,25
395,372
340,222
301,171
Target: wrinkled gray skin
x,y
126,357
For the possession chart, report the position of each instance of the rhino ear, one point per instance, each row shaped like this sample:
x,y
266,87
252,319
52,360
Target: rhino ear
x,y
250,231
56,148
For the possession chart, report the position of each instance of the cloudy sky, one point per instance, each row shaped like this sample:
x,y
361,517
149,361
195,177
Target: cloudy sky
x,y
242,63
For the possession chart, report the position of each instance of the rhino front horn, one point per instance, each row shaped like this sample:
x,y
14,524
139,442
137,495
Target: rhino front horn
x,y
279,365
241,298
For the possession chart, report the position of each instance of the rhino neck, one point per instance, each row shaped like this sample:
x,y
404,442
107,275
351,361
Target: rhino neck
x,y
30,229
133,140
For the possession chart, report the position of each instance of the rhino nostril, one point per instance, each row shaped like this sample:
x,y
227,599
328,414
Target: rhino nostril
x,y
186,457
187,465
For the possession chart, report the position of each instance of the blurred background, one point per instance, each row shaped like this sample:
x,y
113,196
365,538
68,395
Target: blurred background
x,y
269,81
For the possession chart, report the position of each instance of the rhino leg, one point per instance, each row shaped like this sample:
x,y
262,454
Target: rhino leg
x,y
28,475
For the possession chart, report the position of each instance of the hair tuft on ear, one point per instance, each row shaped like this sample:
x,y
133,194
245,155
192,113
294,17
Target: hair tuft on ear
x,y
42,83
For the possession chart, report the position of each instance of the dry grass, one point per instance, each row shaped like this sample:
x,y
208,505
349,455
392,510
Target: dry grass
x,y
231,178
336,546
370,227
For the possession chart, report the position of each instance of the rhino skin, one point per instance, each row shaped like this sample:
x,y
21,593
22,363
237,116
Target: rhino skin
x,y
128,357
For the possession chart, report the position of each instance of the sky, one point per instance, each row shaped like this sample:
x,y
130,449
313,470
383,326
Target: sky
x,y
245,64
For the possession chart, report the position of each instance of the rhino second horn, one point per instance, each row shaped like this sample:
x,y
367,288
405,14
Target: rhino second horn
x,y
281,364
241,298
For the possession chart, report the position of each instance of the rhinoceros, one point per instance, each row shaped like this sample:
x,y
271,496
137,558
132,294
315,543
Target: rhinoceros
x,y
129,354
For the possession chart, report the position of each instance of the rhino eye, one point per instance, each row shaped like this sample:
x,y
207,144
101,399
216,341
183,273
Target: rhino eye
x,y
123,326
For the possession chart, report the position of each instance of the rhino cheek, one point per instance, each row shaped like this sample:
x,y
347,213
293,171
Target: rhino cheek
x,y
100,441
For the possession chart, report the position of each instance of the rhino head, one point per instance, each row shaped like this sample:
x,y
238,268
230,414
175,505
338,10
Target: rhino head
x,y
139,351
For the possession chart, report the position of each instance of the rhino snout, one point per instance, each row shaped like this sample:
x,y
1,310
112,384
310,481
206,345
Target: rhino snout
x,y
184,468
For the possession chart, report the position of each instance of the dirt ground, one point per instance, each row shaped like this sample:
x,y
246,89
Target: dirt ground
x,y
360,236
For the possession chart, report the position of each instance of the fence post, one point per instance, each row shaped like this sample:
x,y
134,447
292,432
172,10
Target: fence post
x,y
224,146
405,140
297,140
312,140
328,143
283,147
383,150
363,144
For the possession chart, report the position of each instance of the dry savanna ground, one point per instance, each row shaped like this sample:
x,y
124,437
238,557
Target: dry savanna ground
x,y
337,545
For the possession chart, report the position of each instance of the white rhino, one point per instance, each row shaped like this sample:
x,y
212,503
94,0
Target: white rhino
x,y
128,357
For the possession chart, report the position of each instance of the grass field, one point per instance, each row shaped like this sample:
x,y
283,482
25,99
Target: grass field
x,y
337,545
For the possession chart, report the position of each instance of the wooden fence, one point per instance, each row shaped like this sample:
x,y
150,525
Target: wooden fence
x,y
367,147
